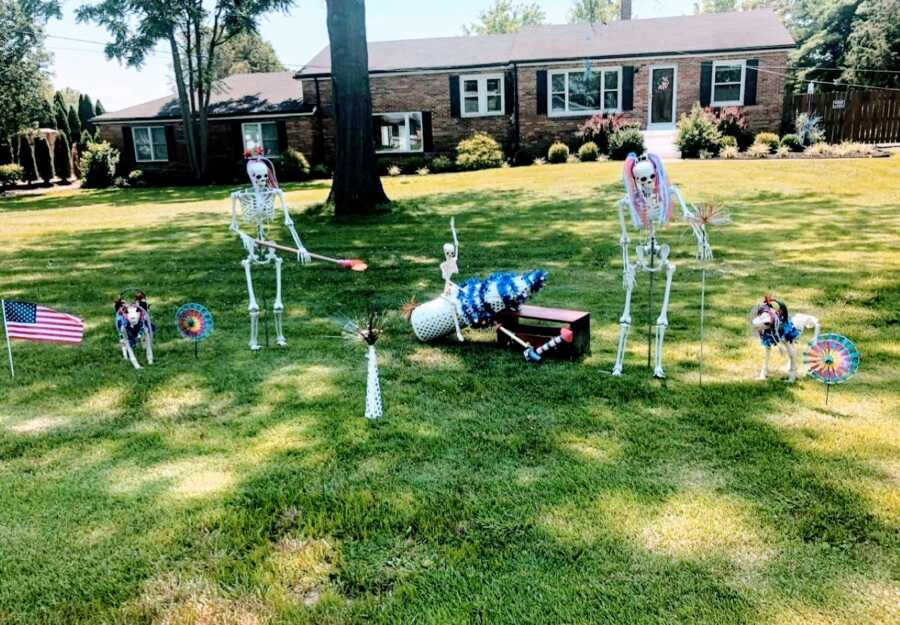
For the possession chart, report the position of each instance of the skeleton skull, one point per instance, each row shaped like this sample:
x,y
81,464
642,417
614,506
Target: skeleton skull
x,y
449,250
259,175
645,177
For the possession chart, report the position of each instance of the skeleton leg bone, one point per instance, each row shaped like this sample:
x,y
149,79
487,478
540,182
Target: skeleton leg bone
x,y
764,372
278,308
624,321
792,360
253,307
130,354
662,322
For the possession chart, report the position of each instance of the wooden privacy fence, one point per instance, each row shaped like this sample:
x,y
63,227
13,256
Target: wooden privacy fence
x,y
866,116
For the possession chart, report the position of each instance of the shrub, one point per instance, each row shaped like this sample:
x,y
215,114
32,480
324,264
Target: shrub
x,y
697,132
808,129
759,150
783,152
136,178
732,122
26,160
819,149
423,171
394,170
10,174
589,152
558,153
539,161
98,165
85,139
599,128
479,151
6,156
441,164
792,143
624,141
728,140
319,171
850,148
43,160
293,166
412,164
120,182
729,152
62,159
770,139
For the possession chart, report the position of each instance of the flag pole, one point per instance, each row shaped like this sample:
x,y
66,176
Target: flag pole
x,y
12,370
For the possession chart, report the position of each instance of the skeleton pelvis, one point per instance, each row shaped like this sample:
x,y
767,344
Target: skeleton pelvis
x,y
658,258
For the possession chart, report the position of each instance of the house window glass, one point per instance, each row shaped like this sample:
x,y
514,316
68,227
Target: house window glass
x,y
728,83
150,143
482,95
580,92
398,132
261,135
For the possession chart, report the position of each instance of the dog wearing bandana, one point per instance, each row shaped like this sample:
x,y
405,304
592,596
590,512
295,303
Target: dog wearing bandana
x,y
775,327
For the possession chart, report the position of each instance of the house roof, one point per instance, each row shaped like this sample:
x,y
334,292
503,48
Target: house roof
x,y
239,94
713,32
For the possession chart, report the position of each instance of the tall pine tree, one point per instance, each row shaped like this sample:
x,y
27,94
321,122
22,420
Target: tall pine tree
x,y
98,108
62,159
74,122
86,112
26,159
43,159
62,118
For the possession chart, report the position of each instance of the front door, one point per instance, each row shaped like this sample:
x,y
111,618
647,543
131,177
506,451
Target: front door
x,y
662,96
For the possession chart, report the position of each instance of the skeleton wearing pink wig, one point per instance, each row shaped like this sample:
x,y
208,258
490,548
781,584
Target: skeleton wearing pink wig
x,y
257,210
649,198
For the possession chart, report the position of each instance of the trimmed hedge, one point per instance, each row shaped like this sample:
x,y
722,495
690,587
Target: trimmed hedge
x,y
624,141
479,151
589,152
558,153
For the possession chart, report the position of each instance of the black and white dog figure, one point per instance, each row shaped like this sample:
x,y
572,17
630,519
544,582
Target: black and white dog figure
x,y
134,326
775,327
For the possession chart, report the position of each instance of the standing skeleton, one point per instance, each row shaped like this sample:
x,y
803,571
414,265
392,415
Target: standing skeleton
x,y
258,211
449,268
649,197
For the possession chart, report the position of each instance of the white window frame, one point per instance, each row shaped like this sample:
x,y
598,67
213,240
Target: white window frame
x,y
405,149
152,159
482,79
727,63
583,113
277,151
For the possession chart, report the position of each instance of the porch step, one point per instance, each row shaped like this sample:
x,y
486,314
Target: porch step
x,y
662,143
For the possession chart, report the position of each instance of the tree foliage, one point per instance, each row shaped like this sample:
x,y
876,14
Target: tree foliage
x,y
247,53
74,122
506,16
85,112
195,31
591,11
62,158
43,160
23,63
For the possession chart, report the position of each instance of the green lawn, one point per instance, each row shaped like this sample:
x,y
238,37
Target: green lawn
x,y
242,488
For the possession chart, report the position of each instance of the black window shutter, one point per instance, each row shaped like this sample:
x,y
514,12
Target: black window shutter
x,y
628,88
750,82
127,158
170,142
237,141
454,96
705,82
427,136
509,92
282,136
542,92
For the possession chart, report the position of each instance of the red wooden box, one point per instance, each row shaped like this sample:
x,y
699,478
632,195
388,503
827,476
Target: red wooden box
x,y
537,325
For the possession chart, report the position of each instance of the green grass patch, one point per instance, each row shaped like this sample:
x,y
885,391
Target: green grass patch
x,y
247,488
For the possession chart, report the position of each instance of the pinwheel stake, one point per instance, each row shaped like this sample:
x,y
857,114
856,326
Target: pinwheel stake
x,y
370,334
831,359
194,323
700,219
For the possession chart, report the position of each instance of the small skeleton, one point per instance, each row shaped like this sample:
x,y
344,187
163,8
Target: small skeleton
x,y
258,211
775,327
449,268
649,199
135,327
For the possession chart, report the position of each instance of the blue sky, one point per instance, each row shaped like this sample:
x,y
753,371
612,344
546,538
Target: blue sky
x,y
296,38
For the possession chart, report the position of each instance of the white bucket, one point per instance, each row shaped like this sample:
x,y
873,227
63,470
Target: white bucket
x,y
433,319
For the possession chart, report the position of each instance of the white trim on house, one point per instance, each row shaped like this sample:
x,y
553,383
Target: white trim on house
x,y
568,112
481,94
743,82
177,120
405,143
153,156
662,125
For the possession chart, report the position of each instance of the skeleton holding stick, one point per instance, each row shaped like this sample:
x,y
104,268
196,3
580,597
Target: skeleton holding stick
x,y
449,268
257,211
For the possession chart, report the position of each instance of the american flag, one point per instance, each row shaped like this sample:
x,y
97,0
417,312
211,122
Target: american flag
x,y
30,322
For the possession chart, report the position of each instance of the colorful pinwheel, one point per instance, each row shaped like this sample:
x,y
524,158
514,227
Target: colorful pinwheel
x,y
831,359
194,322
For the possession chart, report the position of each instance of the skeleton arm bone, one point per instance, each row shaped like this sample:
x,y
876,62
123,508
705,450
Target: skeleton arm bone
x,y
302,255
624,241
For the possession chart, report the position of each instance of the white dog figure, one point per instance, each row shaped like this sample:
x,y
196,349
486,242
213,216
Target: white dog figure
x,y
134,326
775,327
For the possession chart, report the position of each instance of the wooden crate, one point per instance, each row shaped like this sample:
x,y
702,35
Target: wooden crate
x,y
522,323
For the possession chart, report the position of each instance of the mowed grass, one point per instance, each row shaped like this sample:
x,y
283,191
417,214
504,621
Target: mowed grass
x,y
242,488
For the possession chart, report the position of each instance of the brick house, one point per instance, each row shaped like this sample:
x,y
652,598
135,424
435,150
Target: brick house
x,y
526,89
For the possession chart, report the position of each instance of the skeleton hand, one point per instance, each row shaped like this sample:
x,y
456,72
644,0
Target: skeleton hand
x,y
302,255
248,242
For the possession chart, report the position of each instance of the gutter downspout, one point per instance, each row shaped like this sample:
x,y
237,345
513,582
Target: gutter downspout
x,y
319,144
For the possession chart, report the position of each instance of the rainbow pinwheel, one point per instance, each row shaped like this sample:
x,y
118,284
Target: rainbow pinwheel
x,y
194,321
831,359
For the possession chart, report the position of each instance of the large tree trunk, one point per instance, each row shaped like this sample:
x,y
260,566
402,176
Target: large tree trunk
x,y
184,106
356,188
